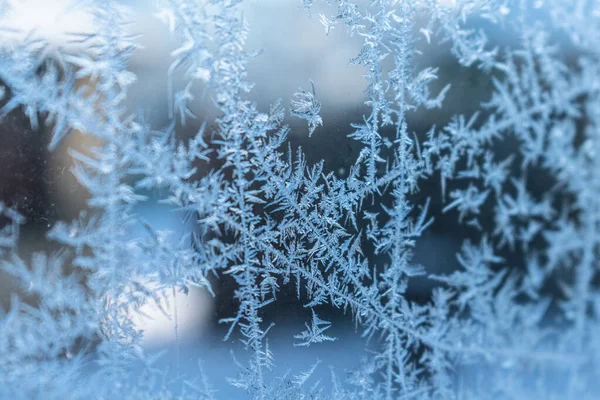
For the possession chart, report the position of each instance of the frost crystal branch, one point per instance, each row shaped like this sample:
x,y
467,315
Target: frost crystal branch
x,y
516,169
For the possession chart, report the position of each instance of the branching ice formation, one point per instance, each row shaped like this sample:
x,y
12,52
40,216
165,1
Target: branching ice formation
x,y
267,218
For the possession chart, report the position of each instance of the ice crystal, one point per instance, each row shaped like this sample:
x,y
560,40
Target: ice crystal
x,y
517,318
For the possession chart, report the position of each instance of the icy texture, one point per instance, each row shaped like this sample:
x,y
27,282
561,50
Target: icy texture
x,y
267,218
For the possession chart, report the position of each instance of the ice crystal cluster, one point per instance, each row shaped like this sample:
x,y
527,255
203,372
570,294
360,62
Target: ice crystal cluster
x,y
520,176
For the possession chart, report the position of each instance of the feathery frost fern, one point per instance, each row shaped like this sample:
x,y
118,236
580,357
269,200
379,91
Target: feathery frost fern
x,y
519,318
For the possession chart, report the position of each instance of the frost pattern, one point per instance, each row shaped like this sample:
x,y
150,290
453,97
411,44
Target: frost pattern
x,y
305,105
267,218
